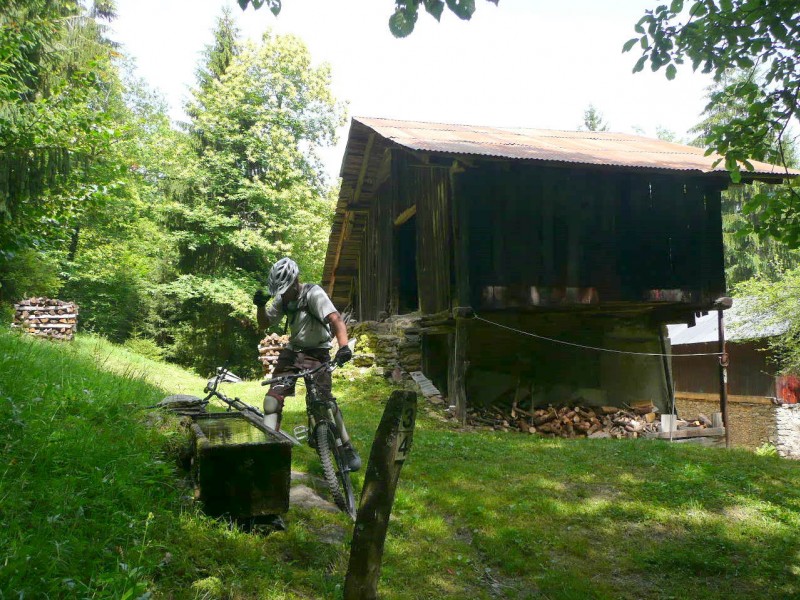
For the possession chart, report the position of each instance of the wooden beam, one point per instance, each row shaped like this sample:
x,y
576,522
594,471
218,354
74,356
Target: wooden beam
x,y
458,365
405,215
704,397
347,218
460,237
692,432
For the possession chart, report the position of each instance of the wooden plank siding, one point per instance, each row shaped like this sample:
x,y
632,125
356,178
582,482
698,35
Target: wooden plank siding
x,y
751,372
376,257
544,236
431,190
538,236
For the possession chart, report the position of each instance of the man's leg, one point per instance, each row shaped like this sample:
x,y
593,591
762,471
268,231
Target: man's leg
x,y
278,391
325,387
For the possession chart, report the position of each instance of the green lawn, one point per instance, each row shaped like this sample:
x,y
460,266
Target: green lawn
x,y
91,505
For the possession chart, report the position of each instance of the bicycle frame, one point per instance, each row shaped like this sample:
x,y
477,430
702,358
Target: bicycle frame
x,y
325,430
251,412
317,409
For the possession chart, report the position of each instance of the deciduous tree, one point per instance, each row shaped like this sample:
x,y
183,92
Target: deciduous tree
x,y
254,193
716,36
404,18
56,78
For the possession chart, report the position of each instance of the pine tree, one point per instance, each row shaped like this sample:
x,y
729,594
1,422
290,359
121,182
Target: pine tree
x,y
593,120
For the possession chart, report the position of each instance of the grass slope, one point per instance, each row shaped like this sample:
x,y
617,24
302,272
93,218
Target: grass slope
x,y
90,505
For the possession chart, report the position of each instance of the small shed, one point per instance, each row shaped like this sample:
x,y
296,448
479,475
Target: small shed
x,y
574,249
762,401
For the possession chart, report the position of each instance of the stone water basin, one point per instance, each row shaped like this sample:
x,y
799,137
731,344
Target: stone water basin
x,y
240,469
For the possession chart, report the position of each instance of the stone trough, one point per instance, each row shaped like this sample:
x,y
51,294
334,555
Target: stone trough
x,y
240,470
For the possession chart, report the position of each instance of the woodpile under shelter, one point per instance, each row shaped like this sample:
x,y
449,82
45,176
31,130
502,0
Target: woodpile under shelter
x,y
574,249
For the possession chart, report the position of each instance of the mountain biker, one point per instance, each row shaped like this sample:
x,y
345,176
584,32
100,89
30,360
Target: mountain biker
x,y
312,320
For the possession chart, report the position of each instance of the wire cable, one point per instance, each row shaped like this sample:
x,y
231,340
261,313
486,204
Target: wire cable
x,y
596,348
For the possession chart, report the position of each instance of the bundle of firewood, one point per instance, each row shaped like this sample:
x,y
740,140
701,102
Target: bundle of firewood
x,y
571,421
268,350
44,317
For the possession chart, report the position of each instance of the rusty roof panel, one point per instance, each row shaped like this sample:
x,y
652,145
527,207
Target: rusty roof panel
x,y
579,147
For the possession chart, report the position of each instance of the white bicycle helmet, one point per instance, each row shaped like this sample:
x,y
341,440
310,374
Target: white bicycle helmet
x,y
282,275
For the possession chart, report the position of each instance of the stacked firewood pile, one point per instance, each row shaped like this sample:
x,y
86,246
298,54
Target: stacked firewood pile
x,y
268,350
571,421
44,317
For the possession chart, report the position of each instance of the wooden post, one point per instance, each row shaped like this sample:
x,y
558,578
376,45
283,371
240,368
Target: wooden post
x,y
722,304
663,336
457,365
457,376
389,449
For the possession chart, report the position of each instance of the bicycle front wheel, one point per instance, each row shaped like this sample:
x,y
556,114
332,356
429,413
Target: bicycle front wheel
x,y
336,473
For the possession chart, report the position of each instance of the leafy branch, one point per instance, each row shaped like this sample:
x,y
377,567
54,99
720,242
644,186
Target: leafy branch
x,y
720,36
404,18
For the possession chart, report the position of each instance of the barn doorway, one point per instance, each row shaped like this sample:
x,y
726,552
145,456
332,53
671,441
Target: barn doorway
x,y
408,293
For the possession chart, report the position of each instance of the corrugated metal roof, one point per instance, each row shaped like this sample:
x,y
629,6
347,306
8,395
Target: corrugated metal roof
x,y
740,325
583,147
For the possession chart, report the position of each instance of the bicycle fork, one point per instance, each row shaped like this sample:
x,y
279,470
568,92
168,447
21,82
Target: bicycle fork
x,y
333,414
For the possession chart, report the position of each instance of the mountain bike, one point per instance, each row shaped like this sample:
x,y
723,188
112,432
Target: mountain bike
x,y
251,413
324,436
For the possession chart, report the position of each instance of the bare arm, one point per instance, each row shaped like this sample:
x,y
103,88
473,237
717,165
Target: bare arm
x,y
262,318
338,328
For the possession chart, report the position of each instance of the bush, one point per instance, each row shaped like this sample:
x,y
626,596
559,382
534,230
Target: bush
x,y
30,273
6,314
112,303
145,347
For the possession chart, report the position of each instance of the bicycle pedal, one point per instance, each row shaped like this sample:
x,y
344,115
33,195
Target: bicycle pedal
x,y
301,432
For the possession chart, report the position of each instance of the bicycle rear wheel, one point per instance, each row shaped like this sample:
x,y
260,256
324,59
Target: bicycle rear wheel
x,y
336,473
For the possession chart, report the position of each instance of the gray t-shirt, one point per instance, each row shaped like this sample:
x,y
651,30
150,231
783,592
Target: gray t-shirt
x,y
306,317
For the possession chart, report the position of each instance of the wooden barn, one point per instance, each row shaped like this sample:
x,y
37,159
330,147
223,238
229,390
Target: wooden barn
x,y
761,400
573,249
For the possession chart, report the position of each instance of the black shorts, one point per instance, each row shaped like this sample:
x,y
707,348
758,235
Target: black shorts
x,y
294,361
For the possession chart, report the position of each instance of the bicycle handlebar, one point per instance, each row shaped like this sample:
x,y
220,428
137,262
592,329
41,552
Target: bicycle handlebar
x,y
331,366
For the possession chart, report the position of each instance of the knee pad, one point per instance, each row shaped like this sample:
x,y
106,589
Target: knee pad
x,y
272,404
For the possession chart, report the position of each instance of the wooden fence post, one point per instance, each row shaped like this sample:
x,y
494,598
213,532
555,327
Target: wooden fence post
x,y
458,364
457,377
389,449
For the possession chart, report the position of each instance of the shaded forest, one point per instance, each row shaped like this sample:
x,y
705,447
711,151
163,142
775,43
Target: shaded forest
x,y
159,231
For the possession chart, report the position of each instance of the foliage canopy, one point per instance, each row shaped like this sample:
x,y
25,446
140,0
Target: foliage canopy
x,y
250,191
404,18
57,83
757,37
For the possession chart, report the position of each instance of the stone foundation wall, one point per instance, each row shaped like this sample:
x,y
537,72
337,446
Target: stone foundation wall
x,y
787,419
752,425
385,344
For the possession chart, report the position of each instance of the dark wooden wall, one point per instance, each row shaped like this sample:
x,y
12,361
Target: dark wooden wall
x,y
427,188
623,234
532,232
430,189
750,372
376,268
